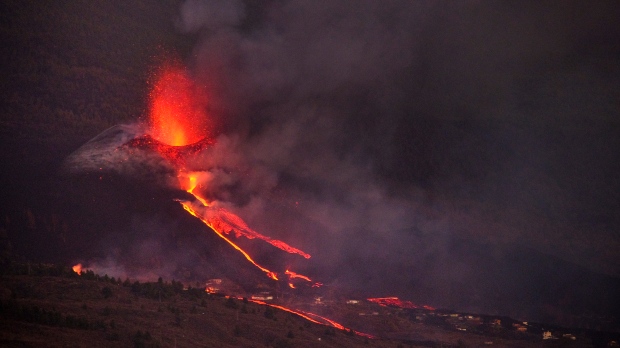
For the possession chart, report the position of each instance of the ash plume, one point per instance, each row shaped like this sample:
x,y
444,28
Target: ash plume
x,y
414,137
455,154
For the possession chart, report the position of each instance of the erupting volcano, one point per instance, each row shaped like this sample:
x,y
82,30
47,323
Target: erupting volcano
x,y
171,147
177,129
177,114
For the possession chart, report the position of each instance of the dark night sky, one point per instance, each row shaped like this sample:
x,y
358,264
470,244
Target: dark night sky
x,y
425,140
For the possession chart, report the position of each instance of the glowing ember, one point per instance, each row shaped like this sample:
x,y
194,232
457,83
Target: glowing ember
x,y
396,302
177,108
77,268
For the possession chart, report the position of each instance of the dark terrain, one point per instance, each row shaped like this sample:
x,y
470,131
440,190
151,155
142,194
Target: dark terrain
x,y
51,306
72,69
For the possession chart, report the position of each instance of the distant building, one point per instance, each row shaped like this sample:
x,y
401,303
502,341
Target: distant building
x,y
569,336
213,286
262,297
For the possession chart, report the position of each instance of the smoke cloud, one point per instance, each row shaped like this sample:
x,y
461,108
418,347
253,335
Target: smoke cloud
x,y
431,150
393,133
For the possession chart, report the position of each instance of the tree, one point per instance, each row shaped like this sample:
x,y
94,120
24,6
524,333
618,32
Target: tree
x,y
107,292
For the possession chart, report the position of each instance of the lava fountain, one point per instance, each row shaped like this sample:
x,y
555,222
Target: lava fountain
x,y
179,127
177,108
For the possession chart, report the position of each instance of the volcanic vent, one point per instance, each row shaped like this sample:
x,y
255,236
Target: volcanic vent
x,y
161,158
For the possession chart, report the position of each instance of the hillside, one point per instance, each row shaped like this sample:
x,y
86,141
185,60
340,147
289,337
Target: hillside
x,y
69,310
44,305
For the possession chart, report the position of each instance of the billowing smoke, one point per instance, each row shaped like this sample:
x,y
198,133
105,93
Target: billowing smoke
x,y
413,137
439,151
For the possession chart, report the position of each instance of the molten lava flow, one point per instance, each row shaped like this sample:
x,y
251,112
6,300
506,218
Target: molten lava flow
x,y
396,302
293,275
77,268
177,108
178,128
225,221
311,317
269,273
193,182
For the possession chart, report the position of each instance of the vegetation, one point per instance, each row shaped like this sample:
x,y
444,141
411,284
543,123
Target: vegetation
x,y
52,304
74,68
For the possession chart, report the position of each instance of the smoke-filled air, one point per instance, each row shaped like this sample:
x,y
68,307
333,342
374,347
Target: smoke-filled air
x,y
453,154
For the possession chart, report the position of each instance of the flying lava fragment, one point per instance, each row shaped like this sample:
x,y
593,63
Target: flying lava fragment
x,y
177,106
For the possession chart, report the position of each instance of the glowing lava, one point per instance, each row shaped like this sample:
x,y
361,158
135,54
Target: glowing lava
x,y
269,273
293,275
315,318
396,302
177,108
178,129
77,268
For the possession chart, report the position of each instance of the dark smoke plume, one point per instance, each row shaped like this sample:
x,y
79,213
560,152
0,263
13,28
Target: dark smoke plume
x,y
458,153
412,136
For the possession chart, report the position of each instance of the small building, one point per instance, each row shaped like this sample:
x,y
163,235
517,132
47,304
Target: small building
x,y
569,336
262,297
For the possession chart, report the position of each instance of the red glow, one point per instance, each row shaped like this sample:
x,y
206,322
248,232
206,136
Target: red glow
x,y
179,127
315,318
269,273
293,275
77,268
177,108
396,302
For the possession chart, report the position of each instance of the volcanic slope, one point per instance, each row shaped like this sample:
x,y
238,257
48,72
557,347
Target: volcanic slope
x,y
44,305
93,311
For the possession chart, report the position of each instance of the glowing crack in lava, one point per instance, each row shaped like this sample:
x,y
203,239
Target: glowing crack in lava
x,y
177,123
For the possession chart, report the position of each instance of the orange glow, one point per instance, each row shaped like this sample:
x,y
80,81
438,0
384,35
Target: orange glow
x,y
269,273
293,275
193,183
179,127
77,268
396,302
177,108
291,285
311,317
